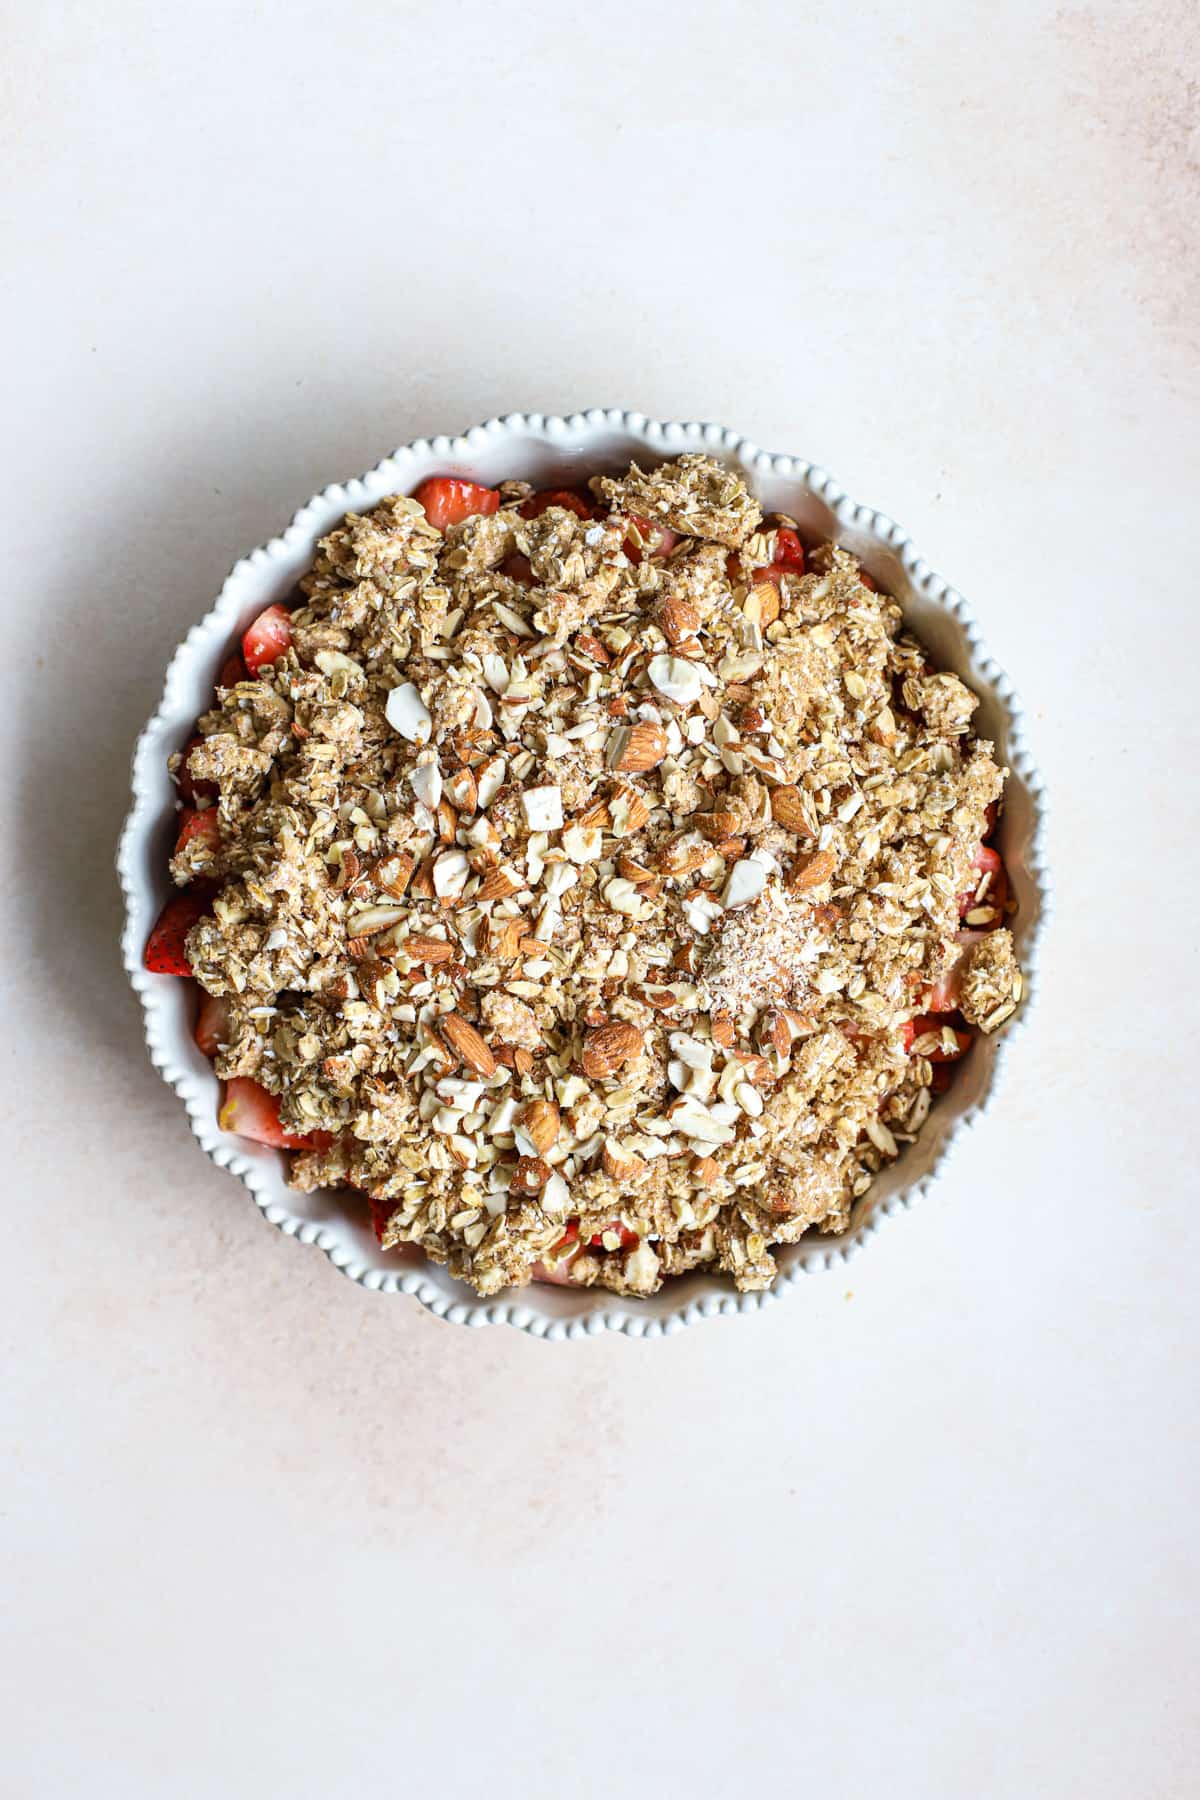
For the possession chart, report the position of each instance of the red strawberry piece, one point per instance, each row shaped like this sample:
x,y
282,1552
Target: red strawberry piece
x,y
448,500
233,670
987,861
537,504
203,825
629,1239
789,552
658,540
190,789
868,581
251,1112
943,995
942,1076
165,954
558,1273
928,1022
991,814
266,640
381,1211
212,1024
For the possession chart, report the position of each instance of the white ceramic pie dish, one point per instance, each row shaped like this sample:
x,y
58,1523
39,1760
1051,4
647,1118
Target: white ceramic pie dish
x,y
556,452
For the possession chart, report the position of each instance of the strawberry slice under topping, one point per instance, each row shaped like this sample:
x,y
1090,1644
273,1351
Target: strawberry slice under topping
x,y
233,670
995,895
448,500
205,826
657,540
190,789
929,1023
265,641
212,1024
251,1112
567,498
165,954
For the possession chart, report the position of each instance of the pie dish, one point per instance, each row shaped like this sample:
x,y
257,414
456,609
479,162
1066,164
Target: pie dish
x,y
632,770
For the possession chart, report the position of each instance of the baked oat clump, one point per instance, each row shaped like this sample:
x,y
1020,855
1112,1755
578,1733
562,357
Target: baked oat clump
x,y
581,878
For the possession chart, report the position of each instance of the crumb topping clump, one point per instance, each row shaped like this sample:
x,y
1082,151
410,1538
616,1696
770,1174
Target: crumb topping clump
x,y
581,876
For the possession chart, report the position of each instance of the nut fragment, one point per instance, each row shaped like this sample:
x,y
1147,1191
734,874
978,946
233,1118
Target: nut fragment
x,y
788,809
634,748
609,1047
678,619
466,1043
530,1176
428,950
810,871
539,1123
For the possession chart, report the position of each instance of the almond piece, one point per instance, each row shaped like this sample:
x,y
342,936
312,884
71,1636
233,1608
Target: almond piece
x,y
462,790
722,1029
716,826
530,1176
595,814
497,884
540,1122
629,810
447,822
678,620
395,872
466,1043
634,871
609,1047
810,871
788,810
762,604
634,748
618,1163
590,646
428,950
421,887
704,1170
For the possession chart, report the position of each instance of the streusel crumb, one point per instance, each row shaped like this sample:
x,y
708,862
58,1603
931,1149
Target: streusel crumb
x,y
581,875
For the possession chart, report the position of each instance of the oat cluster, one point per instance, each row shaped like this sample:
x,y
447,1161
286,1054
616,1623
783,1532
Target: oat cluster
x,y
566,881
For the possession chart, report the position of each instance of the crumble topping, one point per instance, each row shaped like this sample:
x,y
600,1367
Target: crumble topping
x,y
560,880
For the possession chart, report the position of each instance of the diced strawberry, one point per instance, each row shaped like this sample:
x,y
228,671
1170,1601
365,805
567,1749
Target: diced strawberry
x,y
164,954
567,498
233,670
266,640
928,1022
629,1239
987,861
203,825
212,1024
942,1075
789,551
251,1112
448,500
190,789
658,540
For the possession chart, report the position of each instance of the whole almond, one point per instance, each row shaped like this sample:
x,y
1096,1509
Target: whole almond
x,y
788,810
428,950
466,1043
540,1122
678,620
609,1047
810,871
635,748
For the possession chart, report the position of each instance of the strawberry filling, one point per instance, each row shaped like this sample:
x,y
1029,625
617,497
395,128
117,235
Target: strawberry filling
x,y
212,1024
567,498
251,1112
191,790
448,500
203,826
983,906
264,642
930,1024
656,540
165,952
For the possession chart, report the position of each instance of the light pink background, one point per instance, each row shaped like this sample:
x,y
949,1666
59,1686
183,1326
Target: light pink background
x,y
928,1528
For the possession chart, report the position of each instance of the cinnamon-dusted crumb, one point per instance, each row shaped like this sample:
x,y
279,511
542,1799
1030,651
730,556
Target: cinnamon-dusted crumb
x,y
532,823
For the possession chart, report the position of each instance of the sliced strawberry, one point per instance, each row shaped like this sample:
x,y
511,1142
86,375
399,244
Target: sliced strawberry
x,y
266,640
203,825
233,670
941,1077
165,954
567,498
448,501
927,1022
789,551
251,1112
657,540
190,789
212,1024
988,862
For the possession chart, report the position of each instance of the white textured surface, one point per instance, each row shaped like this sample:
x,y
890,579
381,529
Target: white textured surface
x,y
549,451
925,1529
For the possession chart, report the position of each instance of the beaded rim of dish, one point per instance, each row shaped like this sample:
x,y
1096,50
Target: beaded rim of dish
x,y
268,573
